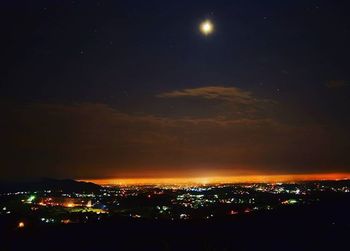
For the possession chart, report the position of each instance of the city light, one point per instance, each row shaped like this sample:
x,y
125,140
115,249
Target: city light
x,y
188,181
172,202
31,199
70,205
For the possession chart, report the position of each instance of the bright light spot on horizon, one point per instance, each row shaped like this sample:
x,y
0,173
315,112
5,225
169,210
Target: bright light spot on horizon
x,y
206,27
89,204
70,205
31,199
185,181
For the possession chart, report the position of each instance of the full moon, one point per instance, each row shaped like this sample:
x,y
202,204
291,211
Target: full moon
x,y
206,27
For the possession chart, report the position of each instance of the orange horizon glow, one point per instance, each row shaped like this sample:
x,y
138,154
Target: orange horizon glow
x,y
219,179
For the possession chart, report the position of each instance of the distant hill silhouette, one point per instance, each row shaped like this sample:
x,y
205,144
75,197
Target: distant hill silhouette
x,y
66,185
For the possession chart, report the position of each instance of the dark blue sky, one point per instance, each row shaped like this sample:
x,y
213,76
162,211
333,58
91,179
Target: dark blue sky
x,y
289,58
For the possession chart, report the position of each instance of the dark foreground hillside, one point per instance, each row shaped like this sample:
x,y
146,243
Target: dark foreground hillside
x,y
325,226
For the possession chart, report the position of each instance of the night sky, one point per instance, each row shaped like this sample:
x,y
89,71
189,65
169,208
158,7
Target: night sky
x,y
100,89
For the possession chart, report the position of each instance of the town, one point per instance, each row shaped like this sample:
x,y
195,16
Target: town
x,y
21,209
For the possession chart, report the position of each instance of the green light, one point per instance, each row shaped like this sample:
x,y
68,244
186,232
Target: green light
x,y
31,198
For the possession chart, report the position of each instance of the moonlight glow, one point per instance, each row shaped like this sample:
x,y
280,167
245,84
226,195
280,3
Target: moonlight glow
x,y
206,27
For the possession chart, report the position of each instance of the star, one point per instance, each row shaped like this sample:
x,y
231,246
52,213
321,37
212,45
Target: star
x,y
206,27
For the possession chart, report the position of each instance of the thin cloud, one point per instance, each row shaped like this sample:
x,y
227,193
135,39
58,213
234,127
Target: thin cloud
x,y
227,94
337,83
235,102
